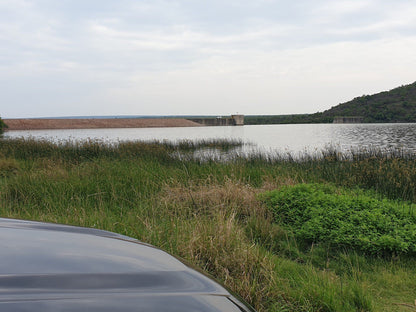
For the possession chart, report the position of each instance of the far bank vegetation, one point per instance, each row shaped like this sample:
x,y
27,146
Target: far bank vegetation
x,y
396,105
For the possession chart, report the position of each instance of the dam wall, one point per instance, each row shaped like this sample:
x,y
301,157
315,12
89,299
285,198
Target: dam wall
x,y
234,120
97,123
103,123
346,119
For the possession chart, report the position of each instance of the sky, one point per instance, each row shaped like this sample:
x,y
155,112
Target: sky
x,y
195,57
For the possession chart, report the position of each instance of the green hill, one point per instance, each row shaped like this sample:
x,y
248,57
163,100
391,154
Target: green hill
x,y
396,105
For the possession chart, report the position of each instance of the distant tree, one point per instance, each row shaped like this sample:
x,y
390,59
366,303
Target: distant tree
x,y
2,126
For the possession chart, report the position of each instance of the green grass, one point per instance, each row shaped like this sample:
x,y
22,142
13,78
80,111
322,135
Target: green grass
x,y
210,213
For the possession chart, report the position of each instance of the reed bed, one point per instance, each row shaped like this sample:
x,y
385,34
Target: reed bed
x,y
213,214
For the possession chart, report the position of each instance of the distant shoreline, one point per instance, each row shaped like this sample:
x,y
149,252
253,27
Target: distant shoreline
x,y
93,123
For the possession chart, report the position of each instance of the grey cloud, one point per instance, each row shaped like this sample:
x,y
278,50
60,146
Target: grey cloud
x,y
98,51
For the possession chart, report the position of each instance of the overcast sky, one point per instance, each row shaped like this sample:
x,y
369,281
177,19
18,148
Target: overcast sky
x,y
194,57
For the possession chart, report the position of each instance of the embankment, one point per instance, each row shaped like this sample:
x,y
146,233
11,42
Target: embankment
x,y
90,123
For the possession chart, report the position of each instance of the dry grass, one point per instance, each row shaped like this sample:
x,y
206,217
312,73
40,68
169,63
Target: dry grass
x,y
208,197
218,245
214,237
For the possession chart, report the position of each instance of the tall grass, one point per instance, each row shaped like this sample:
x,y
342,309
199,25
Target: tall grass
x,y
209,213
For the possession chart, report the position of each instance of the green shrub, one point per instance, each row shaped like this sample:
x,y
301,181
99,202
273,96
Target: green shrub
x,y
318,213
2,126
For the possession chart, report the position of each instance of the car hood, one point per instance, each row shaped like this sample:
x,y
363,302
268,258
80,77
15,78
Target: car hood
x,y
49,267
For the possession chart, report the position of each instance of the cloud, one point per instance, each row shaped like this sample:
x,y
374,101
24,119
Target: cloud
x,y
364,20
292,81
343,7
193,56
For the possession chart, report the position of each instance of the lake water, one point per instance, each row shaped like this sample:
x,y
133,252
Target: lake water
x,y
292,139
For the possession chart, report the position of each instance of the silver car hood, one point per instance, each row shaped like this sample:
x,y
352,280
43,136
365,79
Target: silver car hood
x,y
50,267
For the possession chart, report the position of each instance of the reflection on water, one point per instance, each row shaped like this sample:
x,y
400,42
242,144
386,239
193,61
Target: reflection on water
x,y
293,139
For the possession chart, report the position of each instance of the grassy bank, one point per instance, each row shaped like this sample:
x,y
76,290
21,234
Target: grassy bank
x,y
221,216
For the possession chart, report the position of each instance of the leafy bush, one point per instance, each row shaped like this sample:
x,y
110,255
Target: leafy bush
x,y
342,218
2,126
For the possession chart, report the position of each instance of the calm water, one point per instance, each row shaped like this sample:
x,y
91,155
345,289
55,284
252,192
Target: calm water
x,y
277,138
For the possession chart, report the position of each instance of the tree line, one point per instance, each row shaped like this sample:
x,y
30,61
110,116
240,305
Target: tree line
x,y
396,105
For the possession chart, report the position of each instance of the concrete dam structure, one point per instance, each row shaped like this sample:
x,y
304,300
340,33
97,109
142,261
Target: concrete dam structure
x,y
234,120
343,120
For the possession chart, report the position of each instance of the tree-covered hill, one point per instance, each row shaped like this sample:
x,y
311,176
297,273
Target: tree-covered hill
x,y
396,105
